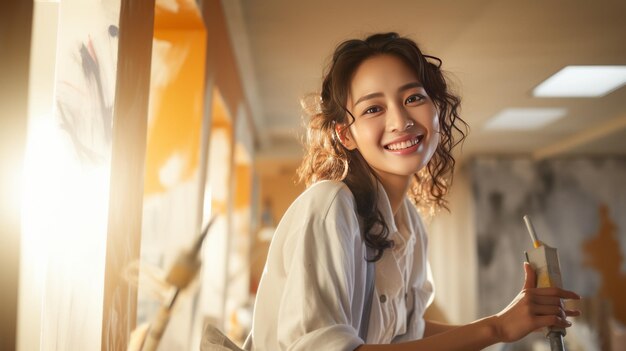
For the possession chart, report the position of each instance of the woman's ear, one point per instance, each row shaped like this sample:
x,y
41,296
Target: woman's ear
x,y
342,132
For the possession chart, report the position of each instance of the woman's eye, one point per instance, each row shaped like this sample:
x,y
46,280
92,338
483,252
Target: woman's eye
x,y
414,98
371,110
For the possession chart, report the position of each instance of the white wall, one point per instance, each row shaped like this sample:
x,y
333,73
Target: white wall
x,y
453,255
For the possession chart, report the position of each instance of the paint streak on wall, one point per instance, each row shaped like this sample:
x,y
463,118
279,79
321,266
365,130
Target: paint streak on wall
x,y
602,253
88,125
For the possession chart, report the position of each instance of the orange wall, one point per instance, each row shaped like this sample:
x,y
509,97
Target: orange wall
x,y
176,125
281,191
278,184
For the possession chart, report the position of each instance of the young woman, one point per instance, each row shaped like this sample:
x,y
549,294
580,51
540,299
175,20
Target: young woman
x,y
379,142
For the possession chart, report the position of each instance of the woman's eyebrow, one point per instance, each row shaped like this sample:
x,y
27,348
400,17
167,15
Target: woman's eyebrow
x,y
407,86
411,85
368,97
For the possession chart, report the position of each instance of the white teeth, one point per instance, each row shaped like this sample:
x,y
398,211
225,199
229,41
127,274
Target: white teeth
x,y
403,144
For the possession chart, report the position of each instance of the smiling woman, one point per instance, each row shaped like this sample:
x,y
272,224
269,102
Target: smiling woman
x,y
380,138
377,84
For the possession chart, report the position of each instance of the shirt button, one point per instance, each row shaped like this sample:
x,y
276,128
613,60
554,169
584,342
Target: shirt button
x,y
383,298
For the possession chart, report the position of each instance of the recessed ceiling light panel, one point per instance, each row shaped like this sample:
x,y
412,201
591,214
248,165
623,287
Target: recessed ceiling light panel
x,y
582,81
524,118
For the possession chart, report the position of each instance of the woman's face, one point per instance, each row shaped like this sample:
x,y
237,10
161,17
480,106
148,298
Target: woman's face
x,y
396,125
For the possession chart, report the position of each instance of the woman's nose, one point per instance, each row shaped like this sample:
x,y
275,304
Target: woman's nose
x,y
398,120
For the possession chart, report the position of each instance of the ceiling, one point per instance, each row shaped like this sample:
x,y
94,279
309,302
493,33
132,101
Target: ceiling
x,y
495,51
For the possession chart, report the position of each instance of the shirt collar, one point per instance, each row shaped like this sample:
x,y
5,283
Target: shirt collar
x,y
404,224
384,206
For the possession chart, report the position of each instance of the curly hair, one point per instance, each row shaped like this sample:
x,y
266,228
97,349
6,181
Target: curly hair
x,y
327,159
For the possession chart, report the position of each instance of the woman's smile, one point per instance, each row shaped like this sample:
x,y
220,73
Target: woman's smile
x,y
405,144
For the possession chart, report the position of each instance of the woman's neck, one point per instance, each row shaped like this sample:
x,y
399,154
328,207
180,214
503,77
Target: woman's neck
x,y
396,188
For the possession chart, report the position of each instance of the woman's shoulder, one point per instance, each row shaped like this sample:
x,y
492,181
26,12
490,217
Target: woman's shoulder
x,y
324,211
327,185
323,195
323,202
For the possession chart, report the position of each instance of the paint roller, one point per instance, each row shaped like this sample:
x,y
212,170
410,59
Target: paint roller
x,y
179,276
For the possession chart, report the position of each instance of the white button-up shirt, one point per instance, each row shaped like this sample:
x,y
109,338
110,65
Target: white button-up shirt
x,y
312,291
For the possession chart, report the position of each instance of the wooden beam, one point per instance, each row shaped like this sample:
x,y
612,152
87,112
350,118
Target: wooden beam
x,y
581,138
130,117
15,36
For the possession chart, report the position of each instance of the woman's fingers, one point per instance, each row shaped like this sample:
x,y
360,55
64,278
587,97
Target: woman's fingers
x,y
556,311
545,310
551,321
547,300
542,322
534,308
564,294
572,313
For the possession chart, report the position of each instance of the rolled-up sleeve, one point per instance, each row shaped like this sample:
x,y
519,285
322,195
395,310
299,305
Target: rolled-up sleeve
x,y
323,269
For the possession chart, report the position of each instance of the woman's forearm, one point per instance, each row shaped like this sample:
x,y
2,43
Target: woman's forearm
x,y
531,309
433,328
470,337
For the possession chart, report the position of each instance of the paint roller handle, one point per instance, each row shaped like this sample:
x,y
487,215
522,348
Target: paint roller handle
x,y
545,262
532,232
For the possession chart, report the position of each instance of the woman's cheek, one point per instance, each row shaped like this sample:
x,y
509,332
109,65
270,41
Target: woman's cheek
x,y
436,127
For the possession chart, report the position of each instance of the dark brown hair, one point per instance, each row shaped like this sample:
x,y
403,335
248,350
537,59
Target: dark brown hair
x,y
327,159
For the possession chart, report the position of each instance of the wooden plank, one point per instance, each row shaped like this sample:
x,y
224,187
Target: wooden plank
x,y
136,27
15,37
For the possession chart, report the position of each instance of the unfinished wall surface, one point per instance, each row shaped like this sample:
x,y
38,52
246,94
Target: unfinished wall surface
x,y
577,205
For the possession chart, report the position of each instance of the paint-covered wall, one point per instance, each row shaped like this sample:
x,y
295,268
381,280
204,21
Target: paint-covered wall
x,y
70,205
577,206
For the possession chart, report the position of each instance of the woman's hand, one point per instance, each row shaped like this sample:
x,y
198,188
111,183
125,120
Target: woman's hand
x,y
532,309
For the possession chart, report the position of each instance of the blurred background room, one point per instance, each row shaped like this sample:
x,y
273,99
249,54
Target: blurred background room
x,y
126,125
